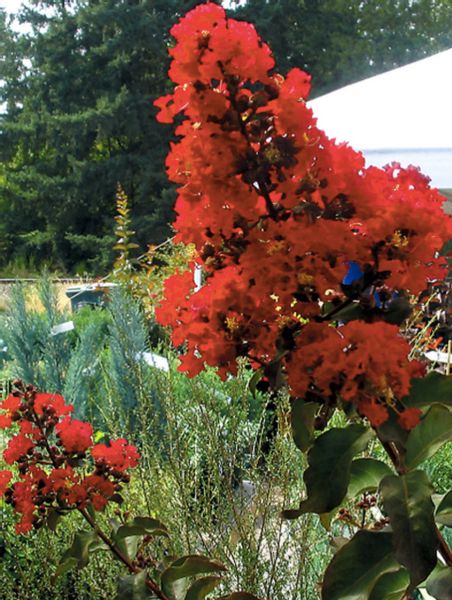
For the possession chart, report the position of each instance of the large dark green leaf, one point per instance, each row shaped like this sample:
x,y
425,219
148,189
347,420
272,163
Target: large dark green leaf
x,y
302,419
365,475
439,584
254,380
53,519
408,503
187,566
391,586
398,311
444,511
78,554
141,526
133,587
434,430
357,566
128,546
351,312
203,586
434,388
391,431
328,474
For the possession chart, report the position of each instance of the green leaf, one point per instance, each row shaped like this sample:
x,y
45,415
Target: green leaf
x,y
357,566
434,430
391,586
439,584
203,586
187,566
64,567
98,436
365,475
141,526
328,474
80,548
116,498
338,541
398,311
351,312
302,418
84,543
254,380
91,511
128,546
133,587
391,431
434,388
53,518
444,511
408,503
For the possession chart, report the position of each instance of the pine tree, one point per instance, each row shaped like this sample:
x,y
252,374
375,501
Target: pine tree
x,y
83,120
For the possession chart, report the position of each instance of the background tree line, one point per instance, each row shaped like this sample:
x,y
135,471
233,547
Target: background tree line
x,y
76,94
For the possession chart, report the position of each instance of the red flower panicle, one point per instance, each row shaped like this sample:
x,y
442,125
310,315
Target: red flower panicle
x,y
52,403
57,475
5,478
119,455
276,211
18,447
76,436
409,418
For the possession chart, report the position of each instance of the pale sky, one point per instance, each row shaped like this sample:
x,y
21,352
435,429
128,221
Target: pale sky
x,y
10,5
13,5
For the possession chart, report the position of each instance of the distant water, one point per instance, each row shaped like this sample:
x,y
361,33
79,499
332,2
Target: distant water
x,y
435,162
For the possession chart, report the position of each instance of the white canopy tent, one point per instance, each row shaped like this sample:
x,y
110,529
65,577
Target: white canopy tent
x,y
403,115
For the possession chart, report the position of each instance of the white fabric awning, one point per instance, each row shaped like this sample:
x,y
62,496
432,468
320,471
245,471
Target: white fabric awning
x,y
402,115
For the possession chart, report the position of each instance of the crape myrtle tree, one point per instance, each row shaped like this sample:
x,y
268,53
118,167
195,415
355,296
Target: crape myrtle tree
x,y
311,263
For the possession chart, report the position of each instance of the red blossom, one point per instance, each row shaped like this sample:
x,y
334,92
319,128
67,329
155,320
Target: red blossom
x,y
119,455
375,411
76,436
18,446
5,478
10,405
52,402
50,478
5,422
23,498
409,418
99,489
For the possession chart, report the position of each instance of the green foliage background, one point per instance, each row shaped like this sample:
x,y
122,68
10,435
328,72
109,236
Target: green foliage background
x,y
76,92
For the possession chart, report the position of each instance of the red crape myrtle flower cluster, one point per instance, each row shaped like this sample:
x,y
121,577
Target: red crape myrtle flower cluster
x,y
278,212
59,466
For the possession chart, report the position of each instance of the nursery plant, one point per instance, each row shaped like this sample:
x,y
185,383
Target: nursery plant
x,y
57,468
200,470
312,263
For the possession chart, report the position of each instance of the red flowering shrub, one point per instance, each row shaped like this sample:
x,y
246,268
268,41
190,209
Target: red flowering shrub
x,y
278,212
118,456
75,436
59,466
